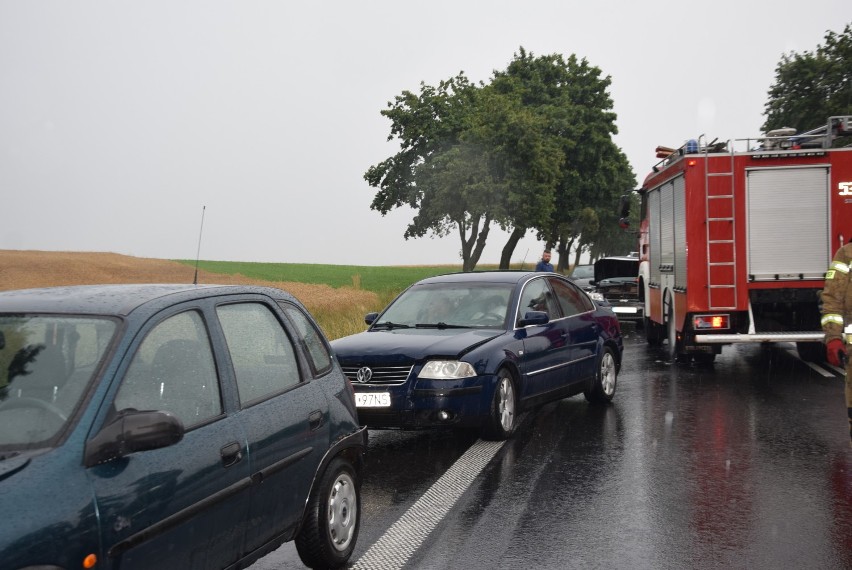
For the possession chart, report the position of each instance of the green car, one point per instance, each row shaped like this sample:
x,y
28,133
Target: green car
x,y
172,426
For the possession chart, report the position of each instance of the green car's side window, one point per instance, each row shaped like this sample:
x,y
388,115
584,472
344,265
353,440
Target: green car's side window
x,y
174,371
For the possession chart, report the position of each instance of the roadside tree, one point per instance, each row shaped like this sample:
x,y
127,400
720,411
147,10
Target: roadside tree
x,y
469,158
571,97
812,86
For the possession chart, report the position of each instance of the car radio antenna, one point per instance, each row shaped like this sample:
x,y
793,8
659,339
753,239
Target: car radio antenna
x,y
198,253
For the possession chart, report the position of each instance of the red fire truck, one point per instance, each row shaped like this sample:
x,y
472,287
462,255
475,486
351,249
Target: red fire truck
x,y
735,238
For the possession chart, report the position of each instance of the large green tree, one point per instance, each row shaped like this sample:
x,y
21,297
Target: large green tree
x,y
809,87
530,151
469,158
572,98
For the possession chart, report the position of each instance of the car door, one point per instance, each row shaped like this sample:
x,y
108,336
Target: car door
x,y
546,350
185,505
583,330
284,414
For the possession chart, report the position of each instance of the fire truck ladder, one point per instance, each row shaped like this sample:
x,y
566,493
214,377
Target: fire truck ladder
x,y
720,208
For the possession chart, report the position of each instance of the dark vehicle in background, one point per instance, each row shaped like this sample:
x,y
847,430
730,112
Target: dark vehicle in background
x,y
583,275
475,349
172,426
616,282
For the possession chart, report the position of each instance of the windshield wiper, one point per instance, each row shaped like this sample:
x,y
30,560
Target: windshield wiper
x,y
440,325
389,325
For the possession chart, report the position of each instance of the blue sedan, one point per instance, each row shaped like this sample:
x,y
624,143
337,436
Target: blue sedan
x,y
475,349
172,426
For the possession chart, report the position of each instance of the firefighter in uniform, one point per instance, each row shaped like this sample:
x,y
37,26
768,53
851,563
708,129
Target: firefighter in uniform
x,y
837,317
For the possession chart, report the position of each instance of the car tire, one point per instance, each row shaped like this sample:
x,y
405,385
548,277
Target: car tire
x,y
502,414
333,517
606,379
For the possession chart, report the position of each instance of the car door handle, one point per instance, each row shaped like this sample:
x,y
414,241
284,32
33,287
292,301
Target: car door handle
x,y
315,419
231,454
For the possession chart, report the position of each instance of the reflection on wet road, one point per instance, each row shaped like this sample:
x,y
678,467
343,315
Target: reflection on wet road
x,y
745,464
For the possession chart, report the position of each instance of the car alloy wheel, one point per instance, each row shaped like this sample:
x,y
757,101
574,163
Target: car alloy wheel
x,y
608,374
606,379
502,419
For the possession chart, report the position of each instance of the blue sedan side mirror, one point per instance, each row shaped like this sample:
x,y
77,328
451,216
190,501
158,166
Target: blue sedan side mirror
x,y
534,318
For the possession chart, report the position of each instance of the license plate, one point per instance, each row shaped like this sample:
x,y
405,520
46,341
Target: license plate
x,y
631,310
372,399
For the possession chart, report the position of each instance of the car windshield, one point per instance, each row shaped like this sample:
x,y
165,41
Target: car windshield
x,y
449,305
583,272
46,362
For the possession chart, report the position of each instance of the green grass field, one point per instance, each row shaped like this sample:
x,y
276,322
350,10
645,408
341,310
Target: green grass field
x,y
385,281
379,279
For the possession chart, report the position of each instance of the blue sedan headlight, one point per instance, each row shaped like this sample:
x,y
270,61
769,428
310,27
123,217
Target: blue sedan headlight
x,y
446,370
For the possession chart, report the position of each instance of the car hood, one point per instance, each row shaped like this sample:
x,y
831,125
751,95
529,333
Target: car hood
x,y
409,344
607,268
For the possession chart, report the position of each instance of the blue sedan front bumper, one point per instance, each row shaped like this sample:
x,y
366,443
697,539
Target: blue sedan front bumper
x,y
423,403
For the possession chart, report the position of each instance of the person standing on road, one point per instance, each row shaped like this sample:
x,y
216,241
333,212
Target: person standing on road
x,y
837,317
544,264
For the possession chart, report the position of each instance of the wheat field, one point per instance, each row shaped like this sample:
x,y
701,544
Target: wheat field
x,y
338,310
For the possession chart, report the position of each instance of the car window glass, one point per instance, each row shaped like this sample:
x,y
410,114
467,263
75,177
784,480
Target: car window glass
x,y
173,370
263,357
311,337
538,297
571,300
46,363
477,304
583,272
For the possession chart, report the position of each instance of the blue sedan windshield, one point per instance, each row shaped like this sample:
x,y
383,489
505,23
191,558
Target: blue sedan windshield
x,y
449,305
46,362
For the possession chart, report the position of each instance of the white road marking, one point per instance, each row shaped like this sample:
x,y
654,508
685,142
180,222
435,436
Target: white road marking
x,y
406,535
819,369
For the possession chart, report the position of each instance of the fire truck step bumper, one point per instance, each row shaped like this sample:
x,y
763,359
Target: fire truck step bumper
x,y
804,336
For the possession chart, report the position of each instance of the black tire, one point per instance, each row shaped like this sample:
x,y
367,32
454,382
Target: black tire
x,y
673,349
502,414
332,519
606,379
653,332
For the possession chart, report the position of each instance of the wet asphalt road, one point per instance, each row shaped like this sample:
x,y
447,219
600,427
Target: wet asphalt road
x,y
743,464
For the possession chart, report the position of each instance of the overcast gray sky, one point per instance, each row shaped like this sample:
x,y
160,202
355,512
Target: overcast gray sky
x,y
120,120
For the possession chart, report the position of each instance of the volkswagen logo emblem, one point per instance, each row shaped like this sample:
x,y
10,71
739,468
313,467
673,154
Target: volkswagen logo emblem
x,y
363,375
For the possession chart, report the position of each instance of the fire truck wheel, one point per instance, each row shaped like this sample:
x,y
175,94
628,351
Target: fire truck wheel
x,y
673,350
654,333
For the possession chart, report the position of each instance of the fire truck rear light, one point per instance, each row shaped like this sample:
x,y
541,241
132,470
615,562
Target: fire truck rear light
x,y
710,322
692,162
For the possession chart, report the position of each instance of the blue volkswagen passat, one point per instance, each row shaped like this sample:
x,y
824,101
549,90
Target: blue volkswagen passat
x,y
172,426
475,349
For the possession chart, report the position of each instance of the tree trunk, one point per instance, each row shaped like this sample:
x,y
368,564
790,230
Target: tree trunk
x,y
577,255
473,246
564,250
508,249
480,244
